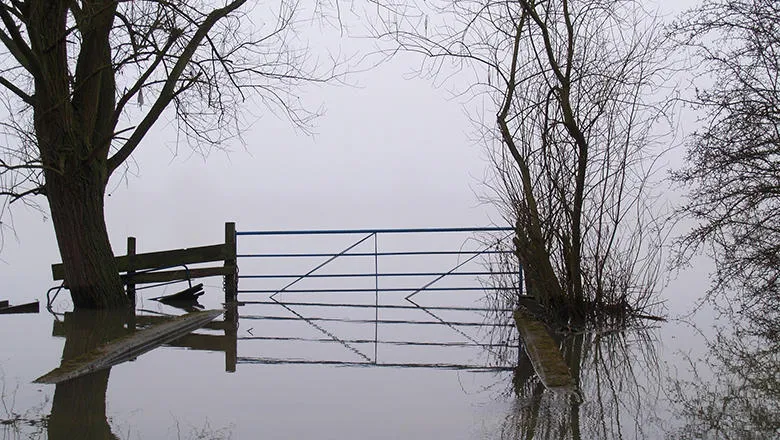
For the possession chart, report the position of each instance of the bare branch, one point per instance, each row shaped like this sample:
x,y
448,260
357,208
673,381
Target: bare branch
x,y
169,89
144,77
15,196
18,92
15,42
733,170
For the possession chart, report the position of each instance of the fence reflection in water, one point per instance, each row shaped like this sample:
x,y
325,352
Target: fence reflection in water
x,y
381,297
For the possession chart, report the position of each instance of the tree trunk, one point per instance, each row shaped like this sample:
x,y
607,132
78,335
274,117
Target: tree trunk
x,y
73,138
91,273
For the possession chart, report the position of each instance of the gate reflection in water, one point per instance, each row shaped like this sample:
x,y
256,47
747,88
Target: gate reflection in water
x,y
380,297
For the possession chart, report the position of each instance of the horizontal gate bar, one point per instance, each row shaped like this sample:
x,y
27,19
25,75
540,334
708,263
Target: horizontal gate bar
x,y
373,275
374,306
371,341
375,231
374,321
371,254
397,289
271,361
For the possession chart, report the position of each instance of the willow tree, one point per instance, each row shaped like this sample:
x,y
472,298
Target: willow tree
x,y
86,80
574,93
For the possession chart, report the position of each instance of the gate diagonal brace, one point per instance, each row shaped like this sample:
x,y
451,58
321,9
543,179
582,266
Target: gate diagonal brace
x,y
450,272
327,333
460,332
320,266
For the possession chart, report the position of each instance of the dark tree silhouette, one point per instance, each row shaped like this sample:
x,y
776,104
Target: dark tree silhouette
x,y
733,169
73,71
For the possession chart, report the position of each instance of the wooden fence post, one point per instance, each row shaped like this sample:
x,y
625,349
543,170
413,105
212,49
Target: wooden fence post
x,y
231,281
131,269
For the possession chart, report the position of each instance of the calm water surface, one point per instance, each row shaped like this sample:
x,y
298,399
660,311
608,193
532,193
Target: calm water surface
x,y
355,373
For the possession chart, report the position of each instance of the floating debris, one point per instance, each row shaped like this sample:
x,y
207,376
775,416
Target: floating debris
x,y
188,295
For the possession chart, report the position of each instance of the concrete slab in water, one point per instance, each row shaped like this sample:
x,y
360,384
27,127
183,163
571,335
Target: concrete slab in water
x,y
544,353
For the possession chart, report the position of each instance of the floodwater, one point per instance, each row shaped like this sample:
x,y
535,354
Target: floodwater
x,y
353,365
296,378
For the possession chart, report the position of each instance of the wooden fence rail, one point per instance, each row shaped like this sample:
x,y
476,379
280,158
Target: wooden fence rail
x,y
163,266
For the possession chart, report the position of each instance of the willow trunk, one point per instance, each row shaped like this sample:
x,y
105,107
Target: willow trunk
x,y
91,274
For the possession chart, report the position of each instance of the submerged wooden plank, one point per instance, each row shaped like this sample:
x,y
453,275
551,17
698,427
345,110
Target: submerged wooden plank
x,y
544,354
129,347
58,328
147,320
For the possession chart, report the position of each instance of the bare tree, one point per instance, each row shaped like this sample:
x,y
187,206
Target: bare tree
x,y
86,80
577,90
733,169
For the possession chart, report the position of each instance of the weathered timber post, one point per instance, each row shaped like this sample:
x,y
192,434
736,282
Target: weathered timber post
x,y
231,280
131,269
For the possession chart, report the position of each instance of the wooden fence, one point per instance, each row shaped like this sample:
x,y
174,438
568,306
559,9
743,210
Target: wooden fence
x,y
163,266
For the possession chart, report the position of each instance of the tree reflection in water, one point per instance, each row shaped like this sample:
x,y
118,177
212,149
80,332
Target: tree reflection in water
x,y
79,405
617,373
735,392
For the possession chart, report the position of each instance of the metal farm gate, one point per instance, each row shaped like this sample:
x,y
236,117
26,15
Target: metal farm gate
x,y
376,297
